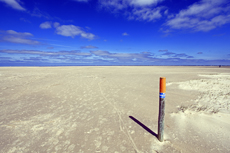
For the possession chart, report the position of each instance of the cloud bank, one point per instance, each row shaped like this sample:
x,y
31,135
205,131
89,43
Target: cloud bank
x,y
67,30
100,57
18,37
45,53
72,31
204,15
14,4
134,9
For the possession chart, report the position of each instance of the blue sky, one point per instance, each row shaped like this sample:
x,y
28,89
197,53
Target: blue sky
x,y
114,32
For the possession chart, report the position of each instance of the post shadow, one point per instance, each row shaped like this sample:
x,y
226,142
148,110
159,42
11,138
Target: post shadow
x,y
143,126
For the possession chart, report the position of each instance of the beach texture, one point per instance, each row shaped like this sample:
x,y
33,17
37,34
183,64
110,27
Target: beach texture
x,y
113,109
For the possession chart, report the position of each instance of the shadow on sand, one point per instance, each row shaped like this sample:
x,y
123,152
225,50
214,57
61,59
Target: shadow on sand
x,y
143,126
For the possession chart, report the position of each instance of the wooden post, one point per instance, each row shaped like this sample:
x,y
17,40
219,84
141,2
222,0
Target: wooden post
x,y
161,109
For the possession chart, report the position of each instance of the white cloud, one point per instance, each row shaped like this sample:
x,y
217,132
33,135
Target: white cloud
x,y
81,0
144,2
14,4
56,24
38,52
125,34
113,4
87,35
204,8
24,34
72,31
89,47
146,14
67,30
38,13
18,37
134,9
166,12
144,56
121,4
203,16
19,40
46,25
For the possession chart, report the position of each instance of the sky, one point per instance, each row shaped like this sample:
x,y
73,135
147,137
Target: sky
x,y
114,32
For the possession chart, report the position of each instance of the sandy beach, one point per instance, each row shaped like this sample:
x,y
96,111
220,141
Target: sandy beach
x,y
114,109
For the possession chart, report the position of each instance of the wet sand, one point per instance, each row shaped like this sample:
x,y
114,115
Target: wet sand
x,y
113,109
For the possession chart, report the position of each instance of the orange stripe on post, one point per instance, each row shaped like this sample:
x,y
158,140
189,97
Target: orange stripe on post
x,y
162,84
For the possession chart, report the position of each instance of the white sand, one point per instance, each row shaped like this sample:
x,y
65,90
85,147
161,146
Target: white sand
x,y
93,109
206,120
